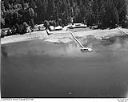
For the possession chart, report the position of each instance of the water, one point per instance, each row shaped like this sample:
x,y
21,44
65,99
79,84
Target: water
x,y
41,69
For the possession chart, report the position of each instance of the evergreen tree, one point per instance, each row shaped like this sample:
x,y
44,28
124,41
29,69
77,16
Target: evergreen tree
x,y
106,13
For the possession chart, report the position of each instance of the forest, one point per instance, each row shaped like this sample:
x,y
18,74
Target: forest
x,y
103,13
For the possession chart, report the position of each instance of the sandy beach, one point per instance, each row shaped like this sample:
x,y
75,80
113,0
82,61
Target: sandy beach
x,y
63,36
44,67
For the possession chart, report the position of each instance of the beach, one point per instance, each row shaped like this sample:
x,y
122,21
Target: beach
x,y
54,66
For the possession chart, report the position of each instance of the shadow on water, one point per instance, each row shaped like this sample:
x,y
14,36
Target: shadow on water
x,y
42,69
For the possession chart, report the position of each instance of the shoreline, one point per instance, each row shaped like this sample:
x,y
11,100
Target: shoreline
x,y
63,36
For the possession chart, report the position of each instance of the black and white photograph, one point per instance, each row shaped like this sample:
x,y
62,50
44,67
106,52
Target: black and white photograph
x,y
64,48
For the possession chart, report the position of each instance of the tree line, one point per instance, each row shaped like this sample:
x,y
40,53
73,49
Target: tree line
x,y
104,13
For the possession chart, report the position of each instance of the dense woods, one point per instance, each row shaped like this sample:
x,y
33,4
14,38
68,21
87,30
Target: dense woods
x,y
104,13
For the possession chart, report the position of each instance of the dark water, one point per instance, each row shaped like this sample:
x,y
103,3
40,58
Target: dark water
x,y
42,69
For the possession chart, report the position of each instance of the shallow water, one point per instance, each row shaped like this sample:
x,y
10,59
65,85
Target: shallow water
x,y
41,69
